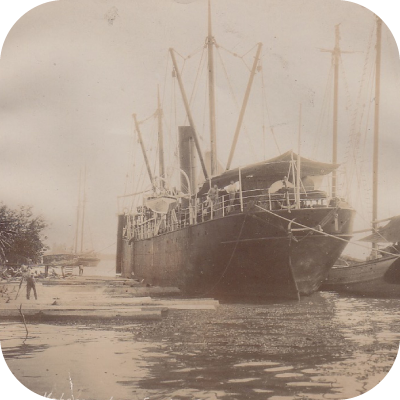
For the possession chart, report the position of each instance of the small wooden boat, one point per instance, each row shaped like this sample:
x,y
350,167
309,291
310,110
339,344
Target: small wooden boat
x,y
373,278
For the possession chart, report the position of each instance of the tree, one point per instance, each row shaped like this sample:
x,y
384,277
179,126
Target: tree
x,y
21,235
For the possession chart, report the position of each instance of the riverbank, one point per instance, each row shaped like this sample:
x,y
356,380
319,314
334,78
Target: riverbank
x,y
324,347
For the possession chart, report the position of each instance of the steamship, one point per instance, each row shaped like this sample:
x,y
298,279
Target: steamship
x,y
264,229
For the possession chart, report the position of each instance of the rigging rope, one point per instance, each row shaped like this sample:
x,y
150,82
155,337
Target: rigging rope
x,y
265,104
235,99
326,102
241,57
321,232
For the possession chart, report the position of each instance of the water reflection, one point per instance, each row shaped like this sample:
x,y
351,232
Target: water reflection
x,y
326,346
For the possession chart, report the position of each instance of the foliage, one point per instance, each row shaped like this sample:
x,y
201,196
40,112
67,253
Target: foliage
x,y
21,236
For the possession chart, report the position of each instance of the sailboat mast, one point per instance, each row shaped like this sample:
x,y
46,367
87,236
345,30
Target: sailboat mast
x,y
78,213
83,209
211,94
376,127
336,59
160,140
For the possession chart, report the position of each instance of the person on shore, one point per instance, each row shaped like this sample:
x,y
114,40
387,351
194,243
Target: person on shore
x,y
30,283
80,269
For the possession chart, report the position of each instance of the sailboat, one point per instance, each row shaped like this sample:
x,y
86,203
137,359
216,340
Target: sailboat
x,y
263,229
76,257
85,258
379,275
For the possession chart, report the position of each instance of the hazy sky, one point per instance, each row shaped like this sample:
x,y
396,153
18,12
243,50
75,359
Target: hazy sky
x,y
73,72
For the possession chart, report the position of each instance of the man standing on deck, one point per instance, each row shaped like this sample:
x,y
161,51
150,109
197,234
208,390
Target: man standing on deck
x,y
231,190
30,283
213,195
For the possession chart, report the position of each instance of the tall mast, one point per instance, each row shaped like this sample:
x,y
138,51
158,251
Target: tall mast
x,y
298,178
78,213
336,59
188,112
160,140
336,54
244,105
146,160
83,209
211,94
376,129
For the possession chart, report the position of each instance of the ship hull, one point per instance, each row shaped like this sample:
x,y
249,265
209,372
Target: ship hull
x,y
244,254
374,278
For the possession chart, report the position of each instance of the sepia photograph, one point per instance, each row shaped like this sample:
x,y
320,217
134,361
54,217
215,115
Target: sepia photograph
x,y
200,200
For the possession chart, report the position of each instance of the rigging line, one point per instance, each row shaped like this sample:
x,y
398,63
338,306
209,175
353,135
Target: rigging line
x,y
245,54
356,153
235,101
154,144
264,97
346,85
362,151
196,78
165,80
171,115
201,47
105,248
320,232
130,156
195,85
183,67
394,54
180,55
360,90
148,118
228,80
204,112
325,100
262,114
139,183
236,55
134,169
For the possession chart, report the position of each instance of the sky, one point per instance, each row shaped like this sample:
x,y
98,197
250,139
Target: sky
x,y
73,72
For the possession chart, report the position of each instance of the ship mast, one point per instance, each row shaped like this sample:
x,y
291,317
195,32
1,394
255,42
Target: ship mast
x,y
83,209
336,54
144,151
336,58
376,130
160,140
211,95
78,214
244,105
188,112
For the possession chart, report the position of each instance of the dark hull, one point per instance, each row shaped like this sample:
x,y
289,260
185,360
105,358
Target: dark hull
x,y
375,278
240,255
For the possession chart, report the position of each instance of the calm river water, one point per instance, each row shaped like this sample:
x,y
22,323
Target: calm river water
x,y
326,346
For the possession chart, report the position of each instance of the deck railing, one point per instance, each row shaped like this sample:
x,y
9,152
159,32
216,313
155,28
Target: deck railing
x,y
149,224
